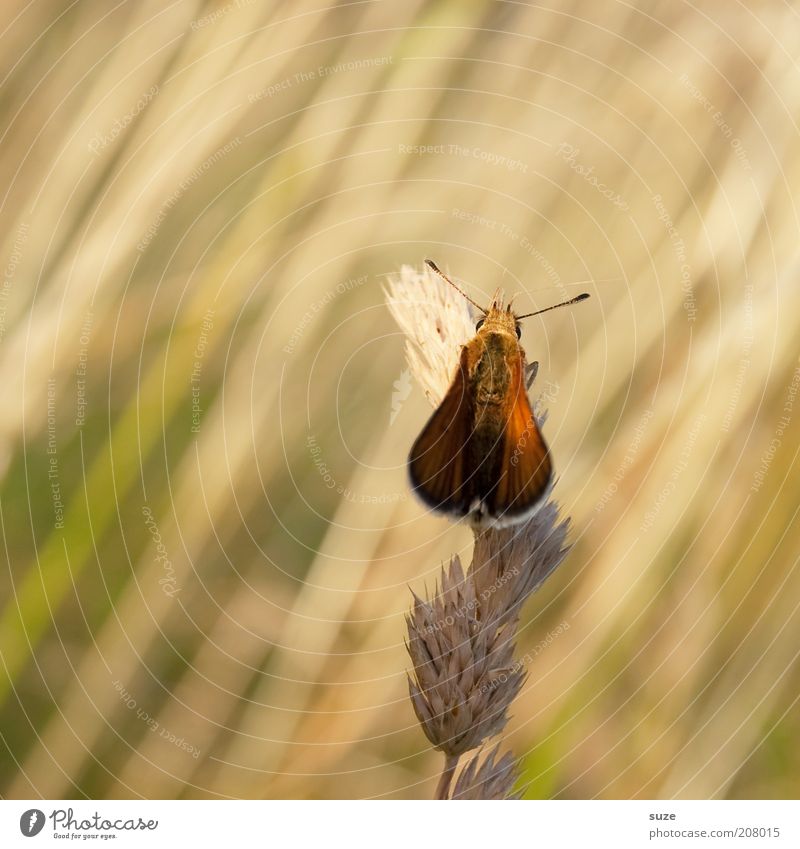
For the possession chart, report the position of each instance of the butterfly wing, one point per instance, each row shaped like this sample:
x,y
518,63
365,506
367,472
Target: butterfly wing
x,y
525,467
438,464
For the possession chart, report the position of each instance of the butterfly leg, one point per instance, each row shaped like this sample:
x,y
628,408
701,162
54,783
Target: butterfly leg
x,y
530,374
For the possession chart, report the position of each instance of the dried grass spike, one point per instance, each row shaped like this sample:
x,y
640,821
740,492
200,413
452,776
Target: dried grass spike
x,y
488,778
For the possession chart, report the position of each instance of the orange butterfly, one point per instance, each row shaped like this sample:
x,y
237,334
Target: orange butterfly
x,y
481,456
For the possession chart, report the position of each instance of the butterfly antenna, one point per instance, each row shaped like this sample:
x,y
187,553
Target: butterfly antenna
x,y
432,265
595,280
575,300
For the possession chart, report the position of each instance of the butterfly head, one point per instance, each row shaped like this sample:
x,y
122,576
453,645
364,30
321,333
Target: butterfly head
x,y
498,318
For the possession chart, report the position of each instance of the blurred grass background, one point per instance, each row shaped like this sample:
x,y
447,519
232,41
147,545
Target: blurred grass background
x,y
206,525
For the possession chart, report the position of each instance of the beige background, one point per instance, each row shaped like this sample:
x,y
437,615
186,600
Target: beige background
x,y
201,204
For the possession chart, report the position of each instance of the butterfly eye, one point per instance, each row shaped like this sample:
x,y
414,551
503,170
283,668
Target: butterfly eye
x,y
519,331
479,324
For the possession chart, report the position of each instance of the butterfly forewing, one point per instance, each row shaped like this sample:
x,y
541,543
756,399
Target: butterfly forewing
x,y
525,459
439,462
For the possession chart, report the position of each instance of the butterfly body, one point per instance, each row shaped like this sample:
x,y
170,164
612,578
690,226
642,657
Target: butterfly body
x,y
481,456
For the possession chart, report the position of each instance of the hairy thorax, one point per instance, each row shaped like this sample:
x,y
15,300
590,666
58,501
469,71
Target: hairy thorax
x,y
489,372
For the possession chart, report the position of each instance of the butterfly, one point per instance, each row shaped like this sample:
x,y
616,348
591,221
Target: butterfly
x,y
481,455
